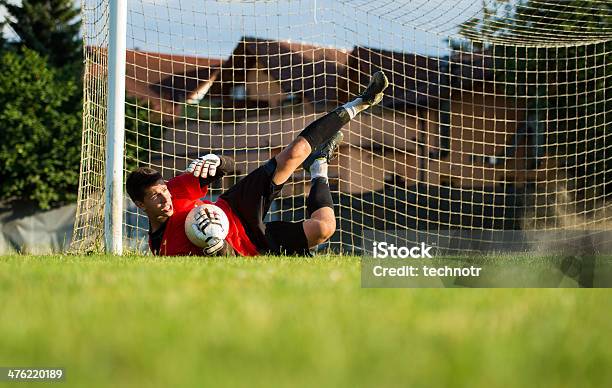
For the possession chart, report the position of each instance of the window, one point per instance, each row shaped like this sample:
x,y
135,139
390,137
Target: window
x,y
239,92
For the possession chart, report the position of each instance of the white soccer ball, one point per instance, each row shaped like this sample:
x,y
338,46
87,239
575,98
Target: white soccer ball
x,y
206,226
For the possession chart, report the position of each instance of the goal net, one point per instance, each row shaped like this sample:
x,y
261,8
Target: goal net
x,y
496,124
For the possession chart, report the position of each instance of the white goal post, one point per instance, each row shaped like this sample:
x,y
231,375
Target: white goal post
x,y
497,122
113,187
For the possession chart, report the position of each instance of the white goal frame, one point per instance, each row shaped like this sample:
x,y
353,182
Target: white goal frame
x,y
450,132
113,199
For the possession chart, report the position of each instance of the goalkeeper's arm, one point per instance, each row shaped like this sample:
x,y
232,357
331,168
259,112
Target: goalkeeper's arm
x,y
210,168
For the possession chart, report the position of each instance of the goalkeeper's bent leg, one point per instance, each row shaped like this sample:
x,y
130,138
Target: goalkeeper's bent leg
x,y
290,158
321,224
324,128
319,196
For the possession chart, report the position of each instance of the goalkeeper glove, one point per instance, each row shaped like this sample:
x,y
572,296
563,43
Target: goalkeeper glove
x,y
204,166
209,224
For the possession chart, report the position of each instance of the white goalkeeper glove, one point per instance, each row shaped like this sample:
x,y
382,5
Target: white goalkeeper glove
x,y
216,246
204,166
211,229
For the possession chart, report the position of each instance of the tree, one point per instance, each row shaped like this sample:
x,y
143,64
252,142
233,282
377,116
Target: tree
x,y
49,27
568,85
40,121
41,103
536,21
2,38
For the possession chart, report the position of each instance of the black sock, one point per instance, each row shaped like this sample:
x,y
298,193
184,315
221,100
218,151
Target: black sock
x,y
323,128
319,196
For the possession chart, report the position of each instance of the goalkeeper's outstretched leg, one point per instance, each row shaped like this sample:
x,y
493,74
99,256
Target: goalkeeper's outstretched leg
x,y
314,147
323,129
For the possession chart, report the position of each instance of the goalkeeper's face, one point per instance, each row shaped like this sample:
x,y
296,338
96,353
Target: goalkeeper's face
x,y
157,201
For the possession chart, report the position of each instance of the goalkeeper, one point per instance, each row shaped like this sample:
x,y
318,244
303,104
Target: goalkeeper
x,y
247,202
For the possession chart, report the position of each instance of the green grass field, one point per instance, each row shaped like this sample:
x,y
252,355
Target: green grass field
x,y
286,322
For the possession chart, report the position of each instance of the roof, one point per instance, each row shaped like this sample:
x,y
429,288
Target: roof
x,y
185,86
316,73
153,75
171,76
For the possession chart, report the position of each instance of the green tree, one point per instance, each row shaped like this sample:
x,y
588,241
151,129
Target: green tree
x,y
542,54
536,21
41,102
40,121
49,27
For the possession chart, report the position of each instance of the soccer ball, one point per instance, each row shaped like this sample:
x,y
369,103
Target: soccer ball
x,y
206,226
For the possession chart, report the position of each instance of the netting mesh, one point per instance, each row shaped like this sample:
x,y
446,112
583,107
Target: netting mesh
x,y
89,224
497,118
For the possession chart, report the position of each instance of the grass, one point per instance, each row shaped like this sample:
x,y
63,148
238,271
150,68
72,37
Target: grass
x,y
286,322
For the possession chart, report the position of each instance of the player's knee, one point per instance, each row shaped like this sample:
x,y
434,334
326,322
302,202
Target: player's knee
x,y
299,149
322,231
329,229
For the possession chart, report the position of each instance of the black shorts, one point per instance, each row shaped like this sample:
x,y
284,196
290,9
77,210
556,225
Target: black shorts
x,y
251,198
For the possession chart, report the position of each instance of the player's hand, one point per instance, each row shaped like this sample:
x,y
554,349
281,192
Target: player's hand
x,y
206,217
204,166
208,222
215,246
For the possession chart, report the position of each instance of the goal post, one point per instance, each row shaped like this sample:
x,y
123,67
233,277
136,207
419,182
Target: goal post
x,y
113,188
494,134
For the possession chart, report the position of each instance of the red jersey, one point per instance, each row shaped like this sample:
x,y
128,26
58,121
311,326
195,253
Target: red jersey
x,y
186,194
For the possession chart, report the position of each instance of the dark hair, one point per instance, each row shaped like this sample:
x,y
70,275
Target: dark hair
x,y
139,180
